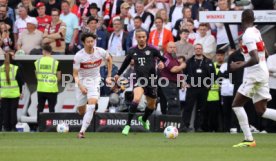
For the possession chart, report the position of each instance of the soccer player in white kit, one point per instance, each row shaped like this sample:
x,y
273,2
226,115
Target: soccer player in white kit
x,y
86,72
255,82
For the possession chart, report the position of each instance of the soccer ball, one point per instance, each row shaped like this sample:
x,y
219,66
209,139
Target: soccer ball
x,y
62,128
171,132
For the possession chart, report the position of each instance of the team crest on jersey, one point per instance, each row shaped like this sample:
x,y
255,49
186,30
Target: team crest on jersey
x,y
147,52
134,54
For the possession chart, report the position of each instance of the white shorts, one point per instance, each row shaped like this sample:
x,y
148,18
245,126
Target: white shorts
x,y
93,91
257,91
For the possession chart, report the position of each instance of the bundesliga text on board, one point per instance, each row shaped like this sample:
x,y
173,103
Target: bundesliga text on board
x,y
117,122
73,122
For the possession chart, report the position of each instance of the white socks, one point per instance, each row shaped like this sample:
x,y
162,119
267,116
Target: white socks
x,y
87,117
270,114
243,121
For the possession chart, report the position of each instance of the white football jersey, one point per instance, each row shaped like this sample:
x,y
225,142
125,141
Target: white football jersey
x,y
88,65
252,40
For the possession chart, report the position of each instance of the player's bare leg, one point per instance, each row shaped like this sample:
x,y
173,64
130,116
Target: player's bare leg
x,y
137,95
148,111
237,106
88,115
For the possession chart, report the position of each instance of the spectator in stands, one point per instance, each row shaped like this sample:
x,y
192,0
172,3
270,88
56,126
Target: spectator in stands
x,y
212,111
99,4
20,24
93,10
131,3
175,10
6,20
200,5
31,38
152,8
180,23
161,36
183,47
42,19
169,95
117,40
52,4
74,8
82,12
272,85
10,11
198,68
48,67
29,5
72,28
147,17
102,37
11,88
6,41
110,9
222,38
189,25
124,16
54,34
131,40
162,13
207,40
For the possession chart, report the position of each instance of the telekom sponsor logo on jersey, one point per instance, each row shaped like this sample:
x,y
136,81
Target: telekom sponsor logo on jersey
x,y
90,64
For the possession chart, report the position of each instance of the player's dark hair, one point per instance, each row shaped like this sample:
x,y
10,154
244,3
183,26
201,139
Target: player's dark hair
x,y
248,16
85,35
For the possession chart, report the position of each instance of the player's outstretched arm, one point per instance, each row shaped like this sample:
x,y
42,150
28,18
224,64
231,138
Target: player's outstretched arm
x,y
124,65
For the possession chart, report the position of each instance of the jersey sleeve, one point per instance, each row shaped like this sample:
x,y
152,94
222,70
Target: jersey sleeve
x,y
76,62
249,41
104,54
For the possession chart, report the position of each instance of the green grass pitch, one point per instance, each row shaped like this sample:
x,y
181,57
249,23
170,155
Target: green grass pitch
x,y
135,147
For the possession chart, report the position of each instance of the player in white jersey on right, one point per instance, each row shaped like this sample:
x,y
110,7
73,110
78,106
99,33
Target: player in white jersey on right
x,y
86,72
255,83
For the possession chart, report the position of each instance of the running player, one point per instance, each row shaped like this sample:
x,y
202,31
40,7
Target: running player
x,y
144,57
255,83
86,72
